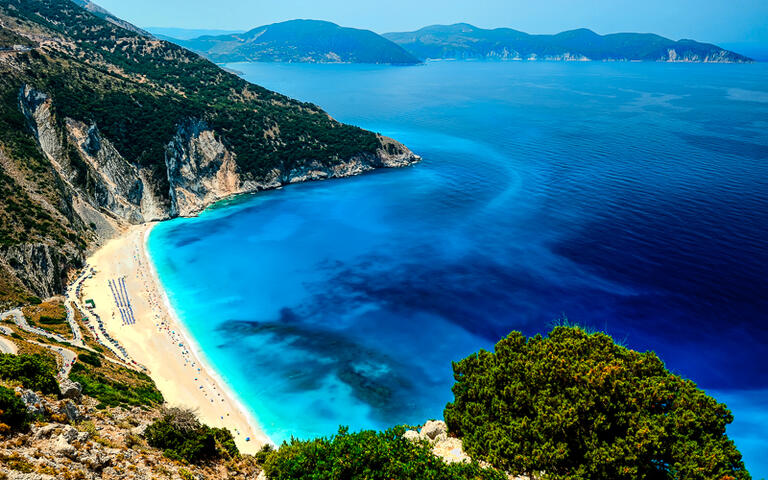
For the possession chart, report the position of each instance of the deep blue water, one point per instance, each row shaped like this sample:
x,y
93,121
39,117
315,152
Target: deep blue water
x,y
631,197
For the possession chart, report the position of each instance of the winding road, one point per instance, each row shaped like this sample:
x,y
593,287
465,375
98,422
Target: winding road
x,y
7,346
68,357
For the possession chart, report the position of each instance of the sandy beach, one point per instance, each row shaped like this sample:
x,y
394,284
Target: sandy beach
x,y
154,337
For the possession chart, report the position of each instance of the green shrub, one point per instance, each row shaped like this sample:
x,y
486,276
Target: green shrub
x,y
366,455
13,412
90,359
578,406
32,371
182,437
125,388
46,320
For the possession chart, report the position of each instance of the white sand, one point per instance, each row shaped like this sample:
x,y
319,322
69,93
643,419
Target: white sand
x,y
159,341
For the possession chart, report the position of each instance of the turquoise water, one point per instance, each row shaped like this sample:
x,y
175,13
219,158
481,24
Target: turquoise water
x,y
631,197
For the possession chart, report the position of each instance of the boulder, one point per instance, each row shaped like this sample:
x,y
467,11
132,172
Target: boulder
x,y
63,447
71,390
140,430
411,435
71,411
432,429
451,450
69,433
45,431
32,401
96,459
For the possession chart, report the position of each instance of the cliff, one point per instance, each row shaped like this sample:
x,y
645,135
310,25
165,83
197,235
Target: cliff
x,y
102,127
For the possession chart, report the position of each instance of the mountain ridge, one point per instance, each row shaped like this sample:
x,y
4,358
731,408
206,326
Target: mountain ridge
x,y
462,41
302,40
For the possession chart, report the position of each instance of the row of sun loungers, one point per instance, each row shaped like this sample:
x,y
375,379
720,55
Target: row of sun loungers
x,y
120,295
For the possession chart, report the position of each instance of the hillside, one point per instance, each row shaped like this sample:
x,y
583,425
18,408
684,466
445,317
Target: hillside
x,y
309,41
466,42
103,127
628,418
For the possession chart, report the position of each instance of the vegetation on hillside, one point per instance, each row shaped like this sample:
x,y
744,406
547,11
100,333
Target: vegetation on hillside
x,y
13,412
311,41
50,315
30,371
578,406
366,455
10,39
181,436
464,41
140,117
114,385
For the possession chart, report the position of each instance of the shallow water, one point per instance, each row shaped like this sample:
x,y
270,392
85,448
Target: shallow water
x,y
631,197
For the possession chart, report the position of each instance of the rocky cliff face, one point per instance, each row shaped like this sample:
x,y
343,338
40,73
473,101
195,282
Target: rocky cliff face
x,y
43,268
106,192
200,169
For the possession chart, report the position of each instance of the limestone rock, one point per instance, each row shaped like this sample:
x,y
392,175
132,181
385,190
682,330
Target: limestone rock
x,y
451,450
33,403
45,431
63,447
140,430
71,411
432,429
70,389
200,168
69,433
411,435
96,459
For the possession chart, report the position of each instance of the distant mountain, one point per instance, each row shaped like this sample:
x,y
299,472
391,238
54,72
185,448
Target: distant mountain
x,y
186,33
466,42
309,41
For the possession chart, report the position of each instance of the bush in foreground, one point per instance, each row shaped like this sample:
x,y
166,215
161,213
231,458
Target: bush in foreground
x,y
578,406
31,371
366,455
182,437
13,412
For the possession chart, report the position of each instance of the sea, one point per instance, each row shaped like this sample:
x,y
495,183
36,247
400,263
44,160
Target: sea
x,y
629,198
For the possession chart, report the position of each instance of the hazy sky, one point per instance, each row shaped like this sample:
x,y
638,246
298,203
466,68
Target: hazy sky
x,y
704,20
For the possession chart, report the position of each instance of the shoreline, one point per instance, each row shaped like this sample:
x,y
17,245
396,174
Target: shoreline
x,y
157,338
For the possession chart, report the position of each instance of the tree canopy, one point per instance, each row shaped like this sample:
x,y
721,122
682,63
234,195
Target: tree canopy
x,y
367,455
578,406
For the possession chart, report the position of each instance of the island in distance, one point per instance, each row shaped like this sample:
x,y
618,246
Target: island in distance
x,y
467,42
314,41
300,41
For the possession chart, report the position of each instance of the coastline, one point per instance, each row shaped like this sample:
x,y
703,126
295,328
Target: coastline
x,y
159,340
